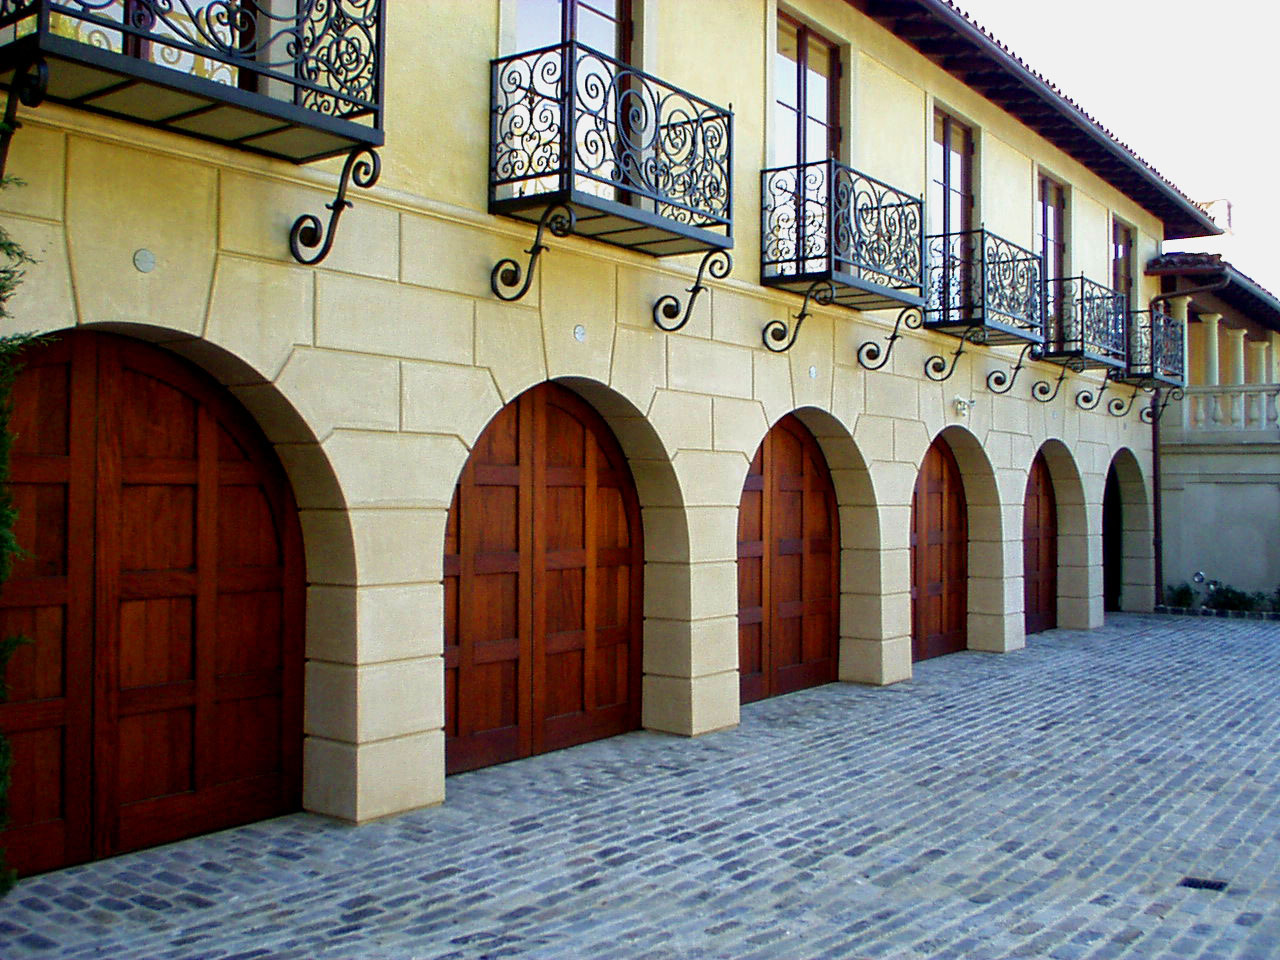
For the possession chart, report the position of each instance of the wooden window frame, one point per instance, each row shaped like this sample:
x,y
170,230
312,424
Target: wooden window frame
x,y
836,74
1053,253
968,176
1122,279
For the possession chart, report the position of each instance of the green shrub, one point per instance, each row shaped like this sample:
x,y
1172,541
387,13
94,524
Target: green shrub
x,y
1179,595
1229,598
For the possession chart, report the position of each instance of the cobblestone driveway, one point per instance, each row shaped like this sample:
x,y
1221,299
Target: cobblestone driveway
x,y
1040,804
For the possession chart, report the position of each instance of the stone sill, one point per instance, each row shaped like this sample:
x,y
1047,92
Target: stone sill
x,y
1223,614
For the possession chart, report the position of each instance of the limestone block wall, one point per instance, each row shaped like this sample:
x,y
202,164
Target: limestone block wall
x,y
374,373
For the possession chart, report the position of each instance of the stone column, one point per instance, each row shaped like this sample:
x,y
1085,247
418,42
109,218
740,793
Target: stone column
x,y
1235,375
1274,374
1210,409
1257,411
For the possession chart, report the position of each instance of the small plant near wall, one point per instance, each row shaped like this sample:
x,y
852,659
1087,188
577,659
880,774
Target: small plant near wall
x,y
1179,595
14,259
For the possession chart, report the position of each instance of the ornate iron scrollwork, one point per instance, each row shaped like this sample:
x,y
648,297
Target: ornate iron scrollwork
x,y
363,167
1120,408
1087,399
821,292
872,356
557,218
936,367
30,83
716,262
1159,400
1000,382
1040,389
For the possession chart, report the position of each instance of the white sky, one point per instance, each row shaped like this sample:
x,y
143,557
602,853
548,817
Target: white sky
x,y
1192,87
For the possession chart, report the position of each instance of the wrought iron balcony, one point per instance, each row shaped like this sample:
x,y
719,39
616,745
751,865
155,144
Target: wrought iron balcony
x,y
826,222
637,162
984,288
1156,357
1086,323
294,79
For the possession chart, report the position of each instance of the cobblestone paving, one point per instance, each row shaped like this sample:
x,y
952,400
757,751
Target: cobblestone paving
x,y
1044,803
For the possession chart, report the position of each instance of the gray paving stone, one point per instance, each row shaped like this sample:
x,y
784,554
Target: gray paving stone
x,y
1043,803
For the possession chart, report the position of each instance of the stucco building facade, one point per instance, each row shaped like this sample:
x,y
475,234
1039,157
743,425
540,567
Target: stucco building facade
x,y
373,388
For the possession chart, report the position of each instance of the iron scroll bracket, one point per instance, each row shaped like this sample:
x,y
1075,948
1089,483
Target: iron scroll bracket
x,y
937,369
363,167
1087,399
716,262
872,356
30,84
1000,382
507,273
1040,389
1120,408
780,337
1159,400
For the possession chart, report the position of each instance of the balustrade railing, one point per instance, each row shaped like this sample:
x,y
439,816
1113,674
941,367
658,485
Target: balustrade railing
x,y
979,279
572,125
248,72
1240,407
1155,349
826,221
1086,323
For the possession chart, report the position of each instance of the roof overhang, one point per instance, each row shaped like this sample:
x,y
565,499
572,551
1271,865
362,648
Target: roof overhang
x,y
1240,292
946,36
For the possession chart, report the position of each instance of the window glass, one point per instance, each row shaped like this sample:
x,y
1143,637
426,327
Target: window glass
x,y
805,75
1122,261
951,192
537,24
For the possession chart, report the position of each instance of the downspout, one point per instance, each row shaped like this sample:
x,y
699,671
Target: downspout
x,y
1157,501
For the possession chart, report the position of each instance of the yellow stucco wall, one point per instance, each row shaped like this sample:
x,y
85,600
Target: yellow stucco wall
x,y
375,372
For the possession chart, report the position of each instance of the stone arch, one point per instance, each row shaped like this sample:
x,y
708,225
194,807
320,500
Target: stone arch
x,y
1079,599
864,657
994,617
1136,551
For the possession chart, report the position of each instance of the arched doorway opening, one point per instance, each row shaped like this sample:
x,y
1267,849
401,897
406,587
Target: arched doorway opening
x,y
543,586
164,592
939,556
1040,549
788,567
1112,542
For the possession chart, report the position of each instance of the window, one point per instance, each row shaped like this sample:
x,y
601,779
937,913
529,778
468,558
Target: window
x,y
1051,240
603,25
807,108
1122,262
951,189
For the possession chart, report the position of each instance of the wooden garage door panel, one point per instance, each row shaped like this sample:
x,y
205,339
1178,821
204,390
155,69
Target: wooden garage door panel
x,y
546,503
136,607
788,550
1040,549
939,557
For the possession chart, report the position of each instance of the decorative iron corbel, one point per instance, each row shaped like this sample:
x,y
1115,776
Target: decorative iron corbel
x,y
1152,412
30,83
308,232
557,218
718,263
1120,408
1087,400
872,356
1040,389
1000,382
821,292
936,367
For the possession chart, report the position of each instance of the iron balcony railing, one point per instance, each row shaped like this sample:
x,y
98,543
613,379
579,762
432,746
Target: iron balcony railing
x,y
826,221
1156,356
296,79
642,164
984,287
1086,324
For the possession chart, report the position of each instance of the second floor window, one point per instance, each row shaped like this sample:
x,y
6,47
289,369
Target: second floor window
x,y
807,106
1122,261
951,188
603,25
1051,239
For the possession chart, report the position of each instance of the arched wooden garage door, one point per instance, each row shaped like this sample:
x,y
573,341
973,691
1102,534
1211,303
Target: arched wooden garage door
x,y
939,557
164,591
543,563
788,567
1040,549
